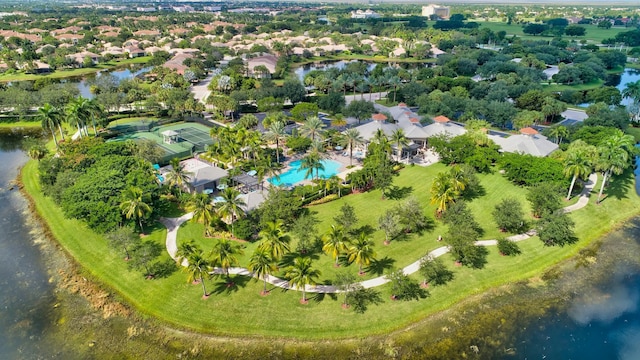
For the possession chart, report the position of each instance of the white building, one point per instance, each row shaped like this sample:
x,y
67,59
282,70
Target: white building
x,y
367,14
438,10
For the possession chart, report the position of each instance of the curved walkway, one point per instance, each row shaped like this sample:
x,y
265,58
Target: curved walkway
x,y
173,224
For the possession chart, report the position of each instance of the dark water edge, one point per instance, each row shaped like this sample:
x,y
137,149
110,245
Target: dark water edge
x,y
47,318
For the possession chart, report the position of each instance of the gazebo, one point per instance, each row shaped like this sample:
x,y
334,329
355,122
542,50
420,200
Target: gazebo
x,y
169,136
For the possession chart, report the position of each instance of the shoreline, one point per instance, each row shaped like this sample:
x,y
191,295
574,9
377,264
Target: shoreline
x,y
416,318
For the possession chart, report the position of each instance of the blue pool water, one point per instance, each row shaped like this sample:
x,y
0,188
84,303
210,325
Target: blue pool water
x,y
293,176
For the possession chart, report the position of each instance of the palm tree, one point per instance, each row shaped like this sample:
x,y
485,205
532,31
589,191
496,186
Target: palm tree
x,y
335,242
262,265
77,113
276,133
185,250
381,139
197,267
614,155
301,274
361,251
395,81
457,179
311,127
578,162
50,119
133,205
632,91
311,163
274,239
178,176
352,138
398,137
224,254
95,109
443,192
558,132
203,211
37,152
230,205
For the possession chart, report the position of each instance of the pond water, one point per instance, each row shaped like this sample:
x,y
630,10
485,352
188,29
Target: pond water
x,y
620,81
601,320
26,297
303,70
84,87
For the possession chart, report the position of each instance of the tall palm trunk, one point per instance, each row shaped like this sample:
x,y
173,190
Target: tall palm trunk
x,y
265,284
204,289
61,133
277,151
53,133
350,155
573,181
604,181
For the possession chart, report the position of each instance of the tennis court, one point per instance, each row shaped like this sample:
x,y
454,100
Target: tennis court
x,y
195,136
191,138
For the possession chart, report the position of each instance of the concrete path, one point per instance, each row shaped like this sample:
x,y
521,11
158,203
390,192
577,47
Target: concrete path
x,y
173,224
584,194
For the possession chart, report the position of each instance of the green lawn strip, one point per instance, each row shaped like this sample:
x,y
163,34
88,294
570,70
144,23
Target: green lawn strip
x,y
593,32
560,87
21,124
59,74
241,311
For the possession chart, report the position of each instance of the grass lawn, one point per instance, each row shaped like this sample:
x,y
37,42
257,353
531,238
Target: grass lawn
x,y
19,124
581,87
240,310
594,33
74,72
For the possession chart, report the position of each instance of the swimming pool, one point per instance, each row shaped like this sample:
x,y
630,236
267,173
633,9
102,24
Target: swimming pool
x,y
293,176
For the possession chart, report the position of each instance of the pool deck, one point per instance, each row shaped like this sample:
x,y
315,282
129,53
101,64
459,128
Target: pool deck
x,y
332,155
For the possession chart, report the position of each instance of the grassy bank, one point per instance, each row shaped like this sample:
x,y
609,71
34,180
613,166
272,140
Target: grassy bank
x,y
242,311
60,74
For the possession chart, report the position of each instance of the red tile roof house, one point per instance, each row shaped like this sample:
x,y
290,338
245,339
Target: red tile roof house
x,y
268,61
176,63
134,51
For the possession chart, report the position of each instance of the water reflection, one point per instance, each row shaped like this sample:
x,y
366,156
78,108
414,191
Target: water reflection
x,y
605,304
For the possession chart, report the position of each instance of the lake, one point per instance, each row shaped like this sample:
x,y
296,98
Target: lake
x,y
85,87
26,296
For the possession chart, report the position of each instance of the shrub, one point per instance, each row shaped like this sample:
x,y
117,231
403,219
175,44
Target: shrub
x,y
325,199
508,247
243,229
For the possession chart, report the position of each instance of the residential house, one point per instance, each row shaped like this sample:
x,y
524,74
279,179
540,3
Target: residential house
x,y
266,61
367,14
176,63
529,142
79,57
134,51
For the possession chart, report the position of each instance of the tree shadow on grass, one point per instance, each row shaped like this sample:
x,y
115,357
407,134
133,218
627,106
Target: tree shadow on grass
x,y
163,268
367,229
474,193
232,284
287,260
619,186
380,266
398,193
